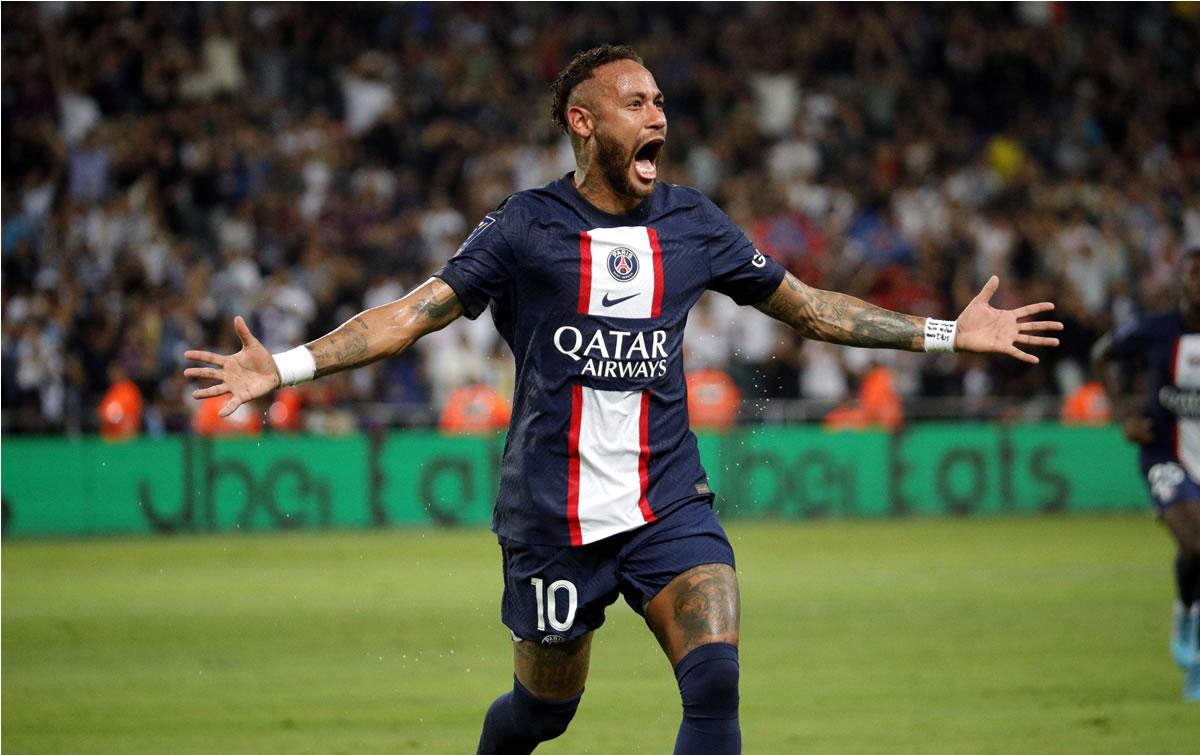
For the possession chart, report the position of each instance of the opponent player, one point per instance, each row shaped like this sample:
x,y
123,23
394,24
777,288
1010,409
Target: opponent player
x,y
1166,427
590,280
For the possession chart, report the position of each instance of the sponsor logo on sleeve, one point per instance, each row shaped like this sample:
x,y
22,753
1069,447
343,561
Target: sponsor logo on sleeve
x,y
487,222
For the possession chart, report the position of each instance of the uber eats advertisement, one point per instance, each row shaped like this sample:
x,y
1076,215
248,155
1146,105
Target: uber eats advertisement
x,y
59,486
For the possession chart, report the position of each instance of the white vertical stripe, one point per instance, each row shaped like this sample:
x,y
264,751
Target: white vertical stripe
x,y
628,299
1187,376
609,451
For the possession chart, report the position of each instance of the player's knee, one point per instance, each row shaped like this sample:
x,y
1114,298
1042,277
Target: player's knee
x,y
544,719
1189,545
1187,532
553,722
708,681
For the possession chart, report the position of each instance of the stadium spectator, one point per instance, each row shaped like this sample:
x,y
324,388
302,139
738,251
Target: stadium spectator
x,y
475,409
145,143
121,408
1087,405
878,405
284,414
713,400
209,421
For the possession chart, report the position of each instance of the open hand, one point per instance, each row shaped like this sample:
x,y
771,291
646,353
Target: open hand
x,y
246,375
985,329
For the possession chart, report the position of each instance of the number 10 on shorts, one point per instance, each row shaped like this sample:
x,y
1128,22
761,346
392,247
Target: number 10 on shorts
x,y
547,604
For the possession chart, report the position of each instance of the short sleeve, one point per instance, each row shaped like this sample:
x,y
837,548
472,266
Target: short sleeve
x,y
739,271
481,270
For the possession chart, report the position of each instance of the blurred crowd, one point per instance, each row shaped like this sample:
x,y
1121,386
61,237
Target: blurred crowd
x,y
167,166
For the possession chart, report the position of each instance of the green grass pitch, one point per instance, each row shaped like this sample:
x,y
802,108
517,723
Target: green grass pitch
x,y
1042,635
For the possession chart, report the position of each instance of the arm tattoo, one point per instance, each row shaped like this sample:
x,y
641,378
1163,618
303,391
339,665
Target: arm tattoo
x,y
343,348
386,330
838,318
880,328
437,310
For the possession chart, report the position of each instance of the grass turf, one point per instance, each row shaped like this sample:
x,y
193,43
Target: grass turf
x,y
930,636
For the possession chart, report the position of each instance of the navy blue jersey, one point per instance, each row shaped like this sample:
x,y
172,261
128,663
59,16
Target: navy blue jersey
x,y
593,306
1172,355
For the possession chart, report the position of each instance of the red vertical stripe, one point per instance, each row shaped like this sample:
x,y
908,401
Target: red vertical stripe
x,y
644,457
585,272
1175,381
656,308
573,463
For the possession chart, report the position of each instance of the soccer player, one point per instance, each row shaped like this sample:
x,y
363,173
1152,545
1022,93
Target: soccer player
x,y
589,280
1166,428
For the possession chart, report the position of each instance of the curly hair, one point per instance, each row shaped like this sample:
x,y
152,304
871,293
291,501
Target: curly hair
x,y
580,69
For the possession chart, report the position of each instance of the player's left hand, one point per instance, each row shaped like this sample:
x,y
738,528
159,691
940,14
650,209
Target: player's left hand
x,y
983,328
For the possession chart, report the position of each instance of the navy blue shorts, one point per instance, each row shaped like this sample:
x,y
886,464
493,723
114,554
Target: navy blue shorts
x,y
1168,480
558,593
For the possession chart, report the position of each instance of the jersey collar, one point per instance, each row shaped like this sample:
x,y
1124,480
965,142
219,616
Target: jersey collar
x,y
638,216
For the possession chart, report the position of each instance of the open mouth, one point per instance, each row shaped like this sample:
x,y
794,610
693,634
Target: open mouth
x,y
645,160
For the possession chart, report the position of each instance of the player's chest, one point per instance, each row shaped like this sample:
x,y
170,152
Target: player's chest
x,y
622,272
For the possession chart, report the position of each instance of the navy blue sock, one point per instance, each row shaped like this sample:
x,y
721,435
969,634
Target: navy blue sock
x,y
517,722
1187,578
708,685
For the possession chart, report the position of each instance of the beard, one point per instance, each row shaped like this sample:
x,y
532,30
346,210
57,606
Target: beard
x,y
614,160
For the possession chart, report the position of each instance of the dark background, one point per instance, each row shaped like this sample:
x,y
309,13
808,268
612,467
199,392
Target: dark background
x,y
166,166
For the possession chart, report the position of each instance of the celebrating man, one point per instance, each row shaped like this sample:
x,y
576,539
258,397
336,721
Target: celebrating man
x,y
590,279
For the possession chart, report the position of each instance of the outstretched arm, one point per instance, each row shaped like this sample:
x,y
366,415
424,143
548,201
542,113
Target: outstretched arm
x,y
367,337
839,318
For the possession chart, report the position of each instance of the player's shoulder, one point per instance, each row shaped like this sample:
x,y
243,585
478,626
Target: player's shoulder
x,y
521,208
1152,326
687,197
509,207
495,229
1167,323
510,217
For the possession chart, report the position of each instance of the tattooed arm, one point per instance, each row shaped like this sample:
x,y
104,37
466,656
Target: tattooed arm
x,y
838,318
387,330
379,332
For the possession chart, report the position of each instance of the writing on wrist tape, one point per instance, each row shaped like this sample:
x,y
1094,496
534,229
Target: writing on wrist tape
x,y
939,335
295,366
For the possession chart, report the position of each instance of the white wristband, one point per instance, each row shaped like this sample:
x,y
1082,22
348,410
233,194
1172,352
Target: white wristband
x,y
939,335
295,366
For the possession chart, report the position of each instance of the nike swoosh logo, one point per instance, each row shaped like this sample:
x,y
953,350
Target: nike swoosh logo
x,y
613,302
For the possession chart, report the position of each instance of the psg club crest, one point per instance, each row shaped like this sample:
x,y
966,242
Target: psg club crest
x,y
622,264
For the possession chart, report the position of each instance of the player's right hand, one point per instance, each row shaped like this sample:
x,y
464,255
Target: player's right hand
x,y
1139,430
246,375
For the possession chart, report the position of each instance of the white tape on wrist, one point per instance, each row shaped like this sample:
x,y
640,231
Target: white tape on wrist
x,y
295,366
939,335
